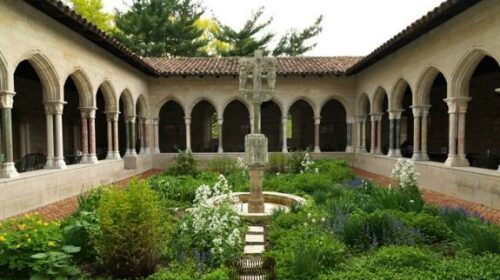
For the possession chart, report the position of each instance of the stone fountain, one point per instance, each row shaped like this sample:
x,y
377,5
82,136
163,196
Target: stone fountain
x,y
257,85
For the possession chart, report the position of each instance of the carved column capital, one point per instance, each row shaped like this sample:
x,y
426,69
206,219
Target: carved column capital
x,y
416,110
112,116
187,120
87,112
375,117
6,98
457,104
220,121
317,120
54,107
130,119
395,114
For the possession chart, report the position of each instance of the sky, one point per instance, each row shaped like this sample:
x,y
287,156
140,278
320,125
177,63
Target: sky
x,y
350,27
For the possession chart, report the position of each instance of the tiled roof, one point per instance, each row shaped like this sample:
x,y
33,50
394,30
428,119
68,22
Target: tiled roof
x,y
230,65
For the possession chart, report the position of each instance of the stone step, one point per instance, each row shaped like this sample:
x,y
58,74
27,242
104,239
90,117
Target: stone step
x,y
254,238
253,249
255,229
252,277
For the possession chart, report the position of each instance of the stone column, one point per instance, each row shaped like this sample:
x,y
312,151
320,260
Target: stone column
x,y
156,135
284,148
349,148
109,123
116,143
417,114
127,136
130,122
187,121
220,123
49,119
457,108
92,157
363,135
378,150
394,133
425,114
317,123
59,162
373,142
144,142
84,136
6,102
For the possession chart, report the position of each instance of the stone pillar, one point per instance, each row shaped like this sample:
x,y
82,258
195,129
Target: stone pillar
x,y
457,108
143,136
373,138
317,123
116,143
187,121
363,135
130,125
378,150
425,114
394,133
284,148
156,135
417,114
59,162
85,137
349,148
92,157
220,125
127,137
6,102
109,124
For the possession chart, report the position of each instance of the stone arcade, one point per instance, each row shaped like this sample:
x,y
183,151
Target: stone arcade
x,y
80,110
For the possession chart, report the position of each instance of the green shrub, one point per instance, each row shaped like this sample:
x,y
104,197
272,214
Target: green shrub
x,y
184,164
453,215
408,199
336,170
176,271
432,227
218,274
32,246
223,165
295,161
131,234
478,238
398,257
277,163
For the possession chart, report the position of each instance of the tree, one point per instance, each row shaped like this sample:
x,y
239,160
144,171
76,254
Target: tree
x,y
210,29
293,43
92,10
244,41
162,28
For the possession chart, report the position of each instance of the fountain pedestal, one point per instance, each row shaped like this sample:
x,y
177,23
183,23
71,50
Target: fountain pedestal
x,y
256,157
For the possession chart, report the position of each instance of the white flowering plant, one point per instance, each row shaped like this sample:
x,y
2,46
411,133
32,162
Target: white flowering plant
x,y
301,162
212,225
405,174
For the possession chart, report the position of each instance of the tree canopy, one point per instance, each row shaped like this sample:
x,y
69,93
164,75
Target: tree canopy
x,y
92,10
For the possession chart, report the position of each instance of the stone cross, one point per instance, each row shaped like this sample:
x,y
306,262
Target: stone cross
x,y
253,70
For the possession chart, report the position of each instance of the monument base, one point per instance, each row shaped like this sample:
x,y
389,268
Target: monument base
x,y
256,200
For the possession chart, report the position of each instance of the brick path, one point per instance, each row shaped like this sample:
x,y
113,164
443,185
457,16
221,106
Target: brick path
x,y
61,209
487,213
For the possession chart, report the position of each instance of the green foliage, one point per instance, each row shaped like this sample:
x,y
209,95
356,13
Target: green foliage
x,y
223,165
432,227
277,163
184,164
406,199
176,271
218,274
31,246
478,238
162,28
92,10
131,232
293,42
403,256
295,161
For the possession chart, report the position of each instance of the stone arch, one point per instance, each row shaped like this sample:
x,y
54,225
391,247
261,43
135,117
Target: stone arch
x,y
164,101
236,98
302,113
424,85
235,126
84,87
305,99
465,69
271,124
172,129
201,99
333,129
378,99
142,106
109,95
204,127
4,75
397,94
341,99
47,73
128,103
361,105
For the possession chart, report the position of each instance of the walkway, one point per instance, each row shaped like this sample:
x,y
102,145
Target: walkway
x,y
61,209
432,197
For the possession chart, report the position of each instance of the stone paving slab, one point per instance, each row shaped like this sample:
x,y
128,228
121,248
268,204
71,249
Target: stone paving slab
x,y
254,238
254,249
432,197
255,229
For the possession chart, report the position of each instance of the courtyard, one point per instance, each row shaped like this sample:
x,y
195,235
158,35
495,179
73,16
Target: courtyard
x,y
216,158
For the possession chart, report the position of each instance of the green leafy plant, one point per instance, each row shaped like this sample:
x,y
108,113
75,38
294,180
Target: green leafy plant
x,y
223,165
131,232
478,238
277,163
184,164
54,264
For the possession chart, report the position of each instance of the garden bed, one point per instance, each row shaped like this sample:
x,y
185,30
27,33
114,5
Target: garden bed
x,y
167,227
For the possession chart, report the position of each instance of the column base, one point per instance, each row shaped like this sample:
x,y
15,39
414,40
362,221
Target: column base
x,y
284,150
416,156
317,149
59,163
424,156
220,150
110,155
116,155
349,149
92,159
498,168
49,164
156,151
456,161
143,151
394,153
9,170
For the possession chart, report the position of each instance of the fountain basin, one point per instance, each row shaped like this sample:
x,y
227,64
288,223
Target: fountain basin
x,y
272,201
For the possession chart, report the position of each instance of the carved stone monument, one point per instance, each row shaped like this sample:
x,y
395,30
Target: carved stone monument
x,y
253,71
